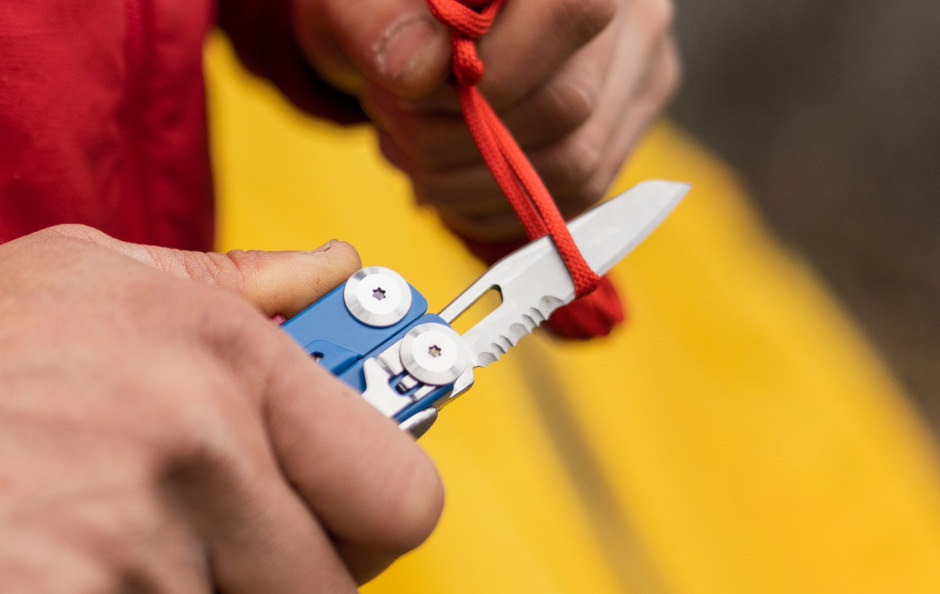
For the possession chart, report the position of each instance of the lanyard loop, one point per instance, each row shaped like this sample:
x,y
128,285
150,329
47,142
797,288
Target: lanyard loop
x,y
468,20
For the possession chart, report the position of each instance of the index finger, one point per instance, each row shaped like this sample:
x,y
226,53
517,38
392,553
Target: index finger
x,y
365,480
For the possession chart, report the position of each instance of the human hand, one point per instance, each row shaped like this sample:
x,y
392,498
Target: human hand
x,y
159,434
576,81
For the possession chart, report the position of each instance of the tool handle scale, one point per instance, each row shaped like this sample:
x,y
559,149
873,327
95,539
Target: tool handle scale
x,y
374,334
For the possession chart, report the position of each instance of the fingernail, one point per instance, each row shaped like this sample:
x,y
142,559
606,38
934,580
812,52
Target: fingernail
x,y
323,248
398,51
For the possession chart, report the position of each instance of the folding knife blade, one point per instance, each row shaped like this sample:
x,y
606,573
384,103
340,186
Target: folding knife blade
x,y
533,281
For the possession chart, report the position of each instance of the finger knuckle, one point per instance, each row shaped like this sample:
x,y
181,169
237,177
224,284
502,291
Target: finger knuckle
x,y
590,192
74,231
672,72
233,269
226,320
198,441
574,162
586,18
662,16
409,139
574,200
202,447
573,99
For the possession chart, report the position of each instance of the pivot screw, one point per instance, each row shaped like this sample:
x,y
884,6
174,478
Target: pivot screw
x,y
377,296
434,354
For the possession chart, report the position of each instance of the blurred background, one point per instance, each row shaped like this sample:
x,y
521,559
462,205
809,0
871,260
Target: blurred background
x,y
739,437
830,111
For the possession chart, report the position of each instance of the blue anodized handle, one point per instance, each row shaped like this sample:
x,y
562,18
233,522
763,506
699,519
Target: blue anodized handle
x,y
374,334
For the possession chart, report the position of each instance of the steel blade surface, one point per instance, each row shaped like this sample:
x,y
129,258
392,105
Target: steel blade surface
x,y
611,230
533,281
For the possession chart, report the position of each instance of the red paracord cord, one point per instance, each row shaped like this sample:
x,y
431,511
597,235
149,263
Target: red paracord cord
x,y
469,20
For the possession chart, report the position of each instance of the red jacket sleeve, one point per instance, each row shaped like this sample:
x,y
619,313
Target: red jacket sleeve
x,y
261,32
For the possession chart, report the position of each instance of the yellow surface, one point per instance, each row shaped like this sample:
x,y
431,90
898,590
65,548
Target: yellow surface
x,y
737,436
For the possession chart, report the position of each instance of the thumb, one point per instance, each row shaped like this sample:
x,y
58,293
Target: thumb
x,y
397,44
276,282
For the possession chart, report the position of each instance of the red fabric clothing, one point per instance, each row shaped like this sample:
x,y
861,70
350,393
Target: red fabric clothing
x,y
103,120
102,111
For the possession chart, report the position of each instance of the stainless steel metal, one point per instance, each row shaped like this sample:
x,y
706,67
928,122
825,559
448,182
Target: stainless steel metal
x,y
463,383
377,296
434,354
407,383
534,281
419,424
378,392
390,359
379,372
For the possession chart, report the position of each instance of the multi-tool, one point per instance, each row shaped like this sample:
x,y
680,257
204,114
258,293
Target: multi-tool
x,y
373,331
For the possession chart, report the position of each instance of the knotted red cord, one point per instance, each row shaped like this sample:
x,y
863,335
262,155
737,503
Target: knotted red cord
x,y
469,20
